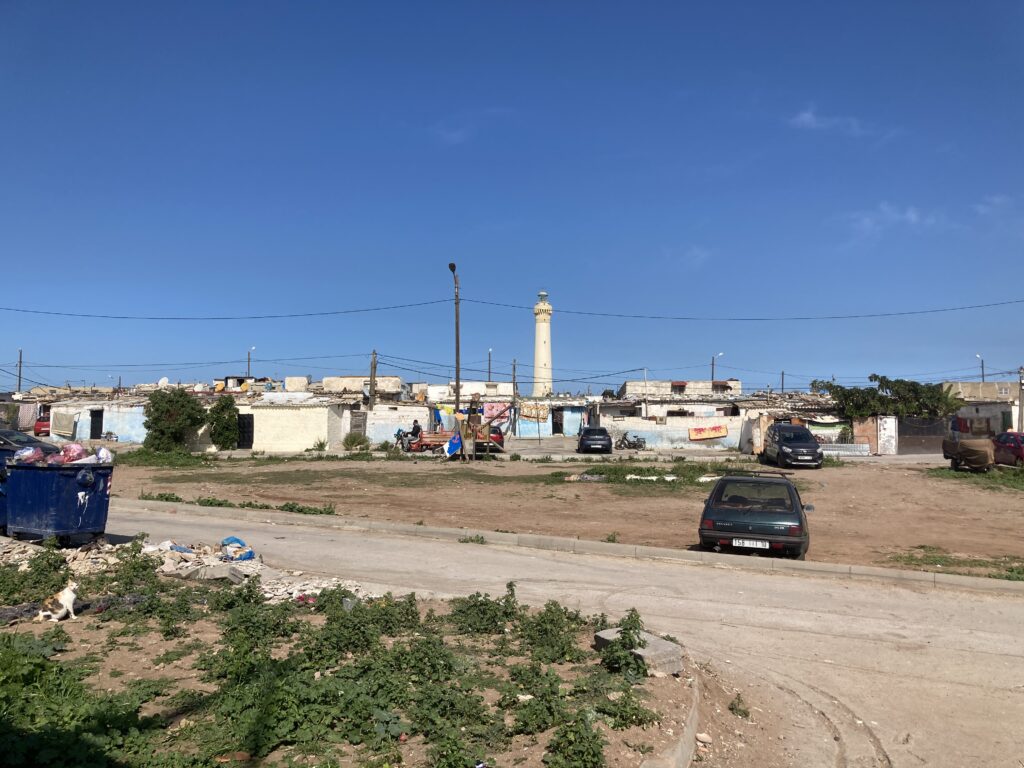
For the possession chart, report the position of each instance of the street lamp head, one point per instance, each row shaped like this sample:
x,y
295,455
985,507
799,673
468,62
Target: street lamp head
x,y
720,354
451,267
978,356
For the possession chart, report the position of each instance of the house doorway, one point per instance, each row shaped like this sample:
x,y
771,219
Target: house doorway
x,y
95,425
557,421
246,430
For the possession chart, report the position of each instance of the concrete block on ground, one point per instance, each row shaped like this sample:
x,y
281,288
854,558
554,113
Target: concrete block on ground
x,y
536,541
658,655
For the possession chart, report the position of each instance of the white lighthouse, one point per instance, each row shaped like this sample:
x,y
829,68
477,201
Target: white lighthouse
x,y
542,346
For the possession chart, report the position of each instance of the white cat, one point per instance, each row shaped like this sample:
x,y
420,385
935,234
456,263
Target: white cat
x,y
60,605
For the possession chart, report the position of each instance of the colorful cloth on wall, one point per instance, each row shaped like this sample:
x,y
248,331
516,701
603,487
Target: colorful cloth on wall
x,y
534,411
498,413
709,433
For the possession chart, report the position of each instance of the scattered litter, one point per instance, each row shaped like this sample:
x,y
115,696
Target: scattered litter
x,y
708,478
233,548
585,478
655,478
28,455
193,562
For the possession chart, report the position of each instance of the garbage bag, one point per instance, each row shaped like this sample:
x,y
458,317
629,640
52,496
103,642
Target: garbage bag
x,y
73,452
233,548
54,458
28,455
105,455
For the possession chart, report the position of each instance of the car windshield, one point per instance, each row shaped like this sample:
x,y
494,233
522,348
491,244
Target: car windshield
x,y
595,432
18,438
750,493
796,436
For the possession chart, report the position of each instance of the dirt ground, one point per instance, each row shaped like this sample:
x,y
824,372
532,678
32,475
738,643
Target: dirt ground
x,y
864,513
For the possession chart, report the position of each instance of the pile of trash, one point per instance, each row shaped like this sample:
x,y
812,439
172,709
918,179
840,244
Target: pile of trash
x,y
70,453
233,560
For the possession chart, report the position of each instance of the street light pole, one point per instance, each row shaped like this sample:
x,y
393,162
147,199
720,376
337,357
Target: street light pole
x,y
489,364
982,367
713,358
248,362
458,372
1020,400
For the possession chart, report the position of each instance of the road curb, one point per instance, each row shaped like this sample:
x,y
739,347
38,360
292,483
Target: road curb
x,y
583,546
681,754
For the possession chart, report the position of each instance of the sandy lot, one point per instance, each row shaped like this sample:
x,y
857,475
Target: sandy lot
x,y
864,513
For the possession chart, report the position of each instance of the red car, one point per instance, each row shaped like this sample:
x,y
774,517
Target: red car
x,y
42,426
1009,448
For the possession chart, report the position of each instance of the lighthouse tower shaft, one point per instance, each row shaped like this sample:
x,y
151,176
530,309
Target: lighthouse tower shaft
x,y
542,384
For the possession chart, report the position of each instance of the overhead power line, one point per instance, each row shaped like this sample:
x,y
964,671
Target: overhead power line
x,y
482,302
699,318
282,316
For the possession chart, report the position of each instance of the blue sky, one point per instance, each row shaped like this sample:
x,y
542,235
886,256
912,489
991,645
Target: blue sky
x,y
713,160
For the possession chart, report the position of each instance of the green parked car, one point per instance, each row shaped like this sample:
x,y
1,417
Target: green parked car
x,y
755,514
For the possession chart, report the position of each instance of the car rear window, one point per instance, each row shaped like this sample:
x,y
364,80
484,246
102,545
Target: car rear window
x,y
746,493
796,436
595,432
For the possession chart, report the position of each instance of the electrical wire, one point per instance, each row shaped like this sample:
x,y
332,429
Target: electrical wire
x,y
225,317
698,318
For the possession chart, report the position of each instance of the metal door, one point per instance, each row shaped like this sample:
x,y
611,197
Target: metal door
x,y
95,425
246,430
358,422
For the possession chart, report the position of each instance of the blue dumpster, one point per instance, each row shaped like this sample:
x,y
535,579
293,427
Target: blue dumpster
x,y
3,500
62,500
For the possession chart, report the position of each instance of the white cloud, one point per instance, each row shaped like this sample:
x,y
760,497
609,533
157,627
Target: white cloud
x,y
462,127
992,205
809,119
886,216
696,256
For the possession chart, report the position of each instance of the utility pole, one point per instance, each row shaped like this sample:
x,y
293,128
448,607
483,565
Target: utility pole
x,y
373,380
248,362
489,364
19,371
713,366
647,395
458,374
515,393
1020,400
782,389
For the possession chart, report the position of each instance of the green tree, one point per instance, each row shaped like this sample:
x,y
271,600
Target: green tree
x,y
222,418
891,397
172,418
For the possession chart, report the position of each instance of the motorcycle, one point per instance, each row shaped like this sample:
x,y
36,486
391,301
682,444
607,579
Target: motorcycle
x,y
627,443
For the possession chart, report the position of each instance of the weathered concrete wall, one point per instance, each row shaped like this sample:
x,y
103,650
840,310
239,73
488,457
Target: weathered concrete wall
x,y
288,427
296,383
866,431
534,428
675,433
383,421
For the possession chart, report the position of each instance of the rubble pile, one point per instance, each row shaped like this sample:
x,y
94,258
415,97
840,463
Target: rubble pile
x,y
232,560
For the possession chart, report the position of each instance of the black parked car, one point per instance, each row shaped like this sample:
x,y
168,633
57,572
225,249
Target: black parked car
x,y
594,439
755,514
788,445
11,440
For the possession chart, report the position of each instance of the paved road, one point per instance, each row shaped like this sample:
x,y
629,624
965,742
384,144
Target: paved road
x,y
869,673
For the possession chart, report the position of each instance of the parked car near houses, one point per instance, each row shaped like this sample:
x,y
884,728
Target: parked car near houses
x,y
755,514
42,426
1009,448
11,440
594,439
789,445
975,454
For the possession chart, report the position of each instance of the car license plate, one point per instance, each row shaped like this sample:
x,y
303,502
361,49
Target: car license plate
x,y
751,543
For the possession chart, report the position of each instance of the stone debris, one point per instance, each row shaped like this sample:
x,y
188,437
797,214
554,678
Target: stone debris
x,y
658,655
196,562
703,738
583,477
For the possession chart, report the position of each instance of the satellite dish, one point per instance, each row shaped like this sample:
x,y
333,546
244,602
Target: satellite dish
x,y
164,382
